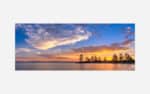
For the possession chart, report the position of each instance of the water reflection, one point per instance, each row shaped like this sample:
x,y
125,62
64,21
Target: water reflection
x,y
72,66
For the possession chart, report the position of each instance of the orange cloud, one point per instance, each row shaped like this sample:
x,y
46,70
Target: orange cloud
x,y
44,39
73,55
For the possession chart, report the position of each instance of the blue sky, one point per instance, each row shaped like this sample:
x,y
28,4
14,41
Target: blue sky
x,y
101,33
54,38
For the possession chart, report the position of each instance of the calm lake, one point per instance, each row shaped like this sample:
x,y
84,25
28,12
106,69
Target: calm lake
x,y
72,66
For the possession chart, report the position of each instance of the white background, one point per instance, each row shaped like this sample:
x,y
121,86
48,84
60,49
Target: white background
x,y
74,82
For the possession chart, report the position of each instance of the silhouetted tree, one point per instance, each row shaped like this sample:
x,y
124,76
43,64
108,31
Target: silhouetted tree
x,y
99,59
81,57
115,58
128,58
87,59
120,57
92,58
105,60
95,58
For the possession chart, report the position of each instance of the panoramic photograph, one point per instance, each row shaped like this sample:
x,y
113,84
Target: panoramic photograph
x,y
69,46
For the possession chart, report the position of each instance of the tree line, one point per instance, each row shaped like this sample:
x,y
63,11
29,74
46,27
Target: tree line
x,y
121,58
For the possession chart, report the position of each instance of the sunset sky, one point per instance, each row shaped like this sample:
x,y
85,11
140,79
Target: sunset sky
x,y
65,42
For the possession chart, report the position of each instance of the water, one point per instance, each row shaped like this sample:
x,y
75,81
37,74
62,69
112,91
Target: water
x,y
72,66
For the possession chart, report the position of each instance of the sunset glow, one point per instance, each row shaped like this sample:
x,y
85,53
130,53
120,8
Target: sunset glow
x,y
66,42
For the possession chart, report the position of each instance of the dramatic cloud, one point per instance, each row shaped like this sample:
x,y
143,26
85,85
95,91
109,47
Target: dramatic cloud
x,y
45,42
44,38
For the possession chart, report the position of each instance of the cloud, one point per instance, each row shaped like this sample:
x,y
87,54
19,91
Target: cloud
x,y
107,50
99,48
43,37
57,57
124,45
128,42
129,37
128,32
19,50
